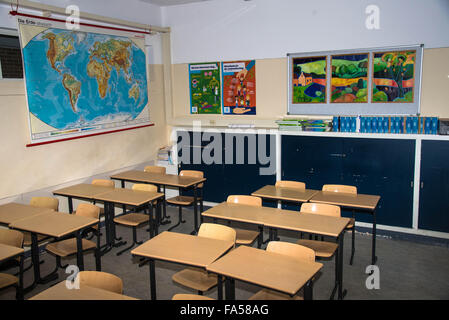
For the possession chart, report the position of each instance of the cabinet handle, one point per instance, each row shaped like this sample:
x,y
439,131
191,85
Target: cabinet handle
x,y
342,155
422,185
411,184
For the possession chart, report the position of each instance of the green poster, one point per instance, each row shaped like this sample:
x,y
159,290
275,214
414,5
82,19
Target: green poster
x,y
205,88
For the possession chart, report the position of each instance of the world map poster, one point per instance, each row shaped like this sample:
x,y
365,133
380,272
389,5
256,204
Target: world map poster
x,y
84,81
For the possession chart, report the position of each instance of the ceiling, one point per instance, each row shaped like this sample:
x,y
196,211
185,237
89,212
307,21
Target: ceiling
x,y
164,3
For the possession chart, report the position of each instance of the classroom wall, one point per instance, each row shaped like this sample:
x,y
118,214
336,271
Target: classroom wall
x,y
267,30
25,170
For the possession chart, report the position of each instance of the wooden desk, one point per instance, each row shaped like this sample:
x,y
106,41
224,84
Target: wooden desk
x,y
267,269
11,212
358,202
135,198
60,292
170,180
83,191
54,224
274,219
284,194
180,248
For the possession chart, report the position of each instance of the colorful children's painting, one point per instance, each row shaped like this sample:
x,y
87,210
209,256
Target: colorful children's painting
x,y
349,78
205,88
394,76
309,80
239,87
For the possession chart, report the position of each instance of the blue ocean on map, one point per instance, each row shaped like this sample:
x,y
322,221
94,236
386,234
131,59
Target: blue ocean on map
x,y
50,102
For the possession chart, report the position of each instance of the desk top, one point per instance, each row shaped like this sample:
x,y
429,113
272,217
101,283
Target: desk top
x,y
53,224
82,190
287,194
279,218
183,248
60,292
156,178
11,212
306,222
7,251
128,196
241,212
356,201
267,269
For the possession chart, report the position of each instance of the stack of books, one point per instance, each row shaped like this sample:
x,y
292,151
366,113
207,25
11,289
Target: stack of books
x,y
164,155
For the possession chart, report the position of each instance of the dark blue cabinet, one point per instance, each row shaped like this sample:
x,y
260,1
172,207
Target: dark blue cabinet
x,y
229,177
382,167
434,188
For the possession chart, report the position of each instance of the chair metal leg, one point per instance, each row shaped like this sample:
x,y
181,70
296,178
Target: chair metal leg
x,y
179,220
351,260
133,244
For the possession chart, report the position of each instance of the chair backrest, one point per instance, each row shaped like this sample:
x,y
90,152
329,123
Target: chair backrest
x,y
340,188
144,187
249,200
155,169
11,237
192,173
101,280
88,210
217,231
290,184
292,250
103,183
321,208
45,202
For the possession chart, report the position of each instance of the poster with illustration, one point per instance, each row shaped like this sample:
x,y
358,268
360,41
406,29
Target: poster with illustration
x,y
309,80
393,76
239,87
205,88
349,82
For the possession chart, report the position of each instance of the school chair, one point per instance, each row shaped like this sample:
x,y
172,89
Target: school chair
x,y
100,280
15,239
199,279
245,237
351,225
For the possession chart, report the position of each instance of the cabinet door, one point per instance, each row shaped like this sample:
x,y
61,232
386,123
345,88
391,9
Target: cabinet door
x,y
383,167
213,188
312,160
245,178
434,192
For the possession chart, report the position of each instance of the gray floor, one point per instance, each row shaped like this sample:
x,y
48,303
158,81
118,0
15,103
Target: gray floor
x,y
408,270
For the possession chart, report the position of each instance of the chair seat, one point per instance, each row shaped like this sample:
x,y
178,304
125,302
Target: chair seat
x,y
183,296
181,200
132,219
322,249
196,279
266,294
351,223
245,237
68,247
7,280
27,238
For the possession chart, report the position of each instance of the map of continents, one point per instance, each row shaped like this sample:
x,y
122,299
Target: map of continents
x,y
78,79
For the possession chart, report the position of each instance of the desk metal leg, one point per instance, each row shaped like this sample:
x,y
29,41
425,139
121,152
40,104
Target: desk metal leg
x,y
70,202
79,251
19,293
164,219
341,291
152,279
195,210
219,287
373,250
124,205
230,289
308,290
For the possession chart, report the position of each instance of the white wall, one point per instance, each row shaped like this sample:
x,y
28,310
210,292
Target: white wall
x,y
258,29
